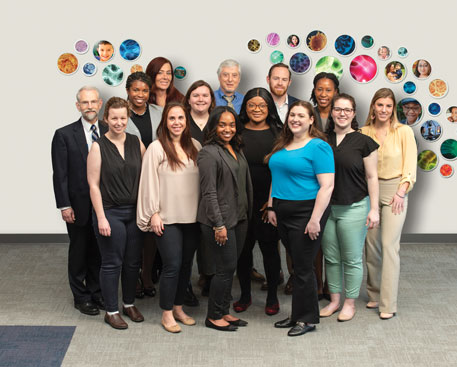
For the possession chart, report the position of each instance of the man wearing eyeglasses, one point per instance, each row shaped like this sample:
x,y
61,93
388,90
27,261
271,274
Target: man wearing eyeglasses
x,y
279,79
412,111
229,75
70,147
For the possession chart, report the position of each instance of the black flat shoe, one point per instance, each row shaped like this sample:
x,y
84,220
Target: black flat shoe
x,y
99,302
238,322
87,308
286,323
228,327
301,328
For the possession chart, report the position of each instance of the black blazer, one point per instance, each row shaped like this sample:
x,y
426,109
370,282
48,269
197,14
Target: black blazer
x,y
291,99
218,188
69,163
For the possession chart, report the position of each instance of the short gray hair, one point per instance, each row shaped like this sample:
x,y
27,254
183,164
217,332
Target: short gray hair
x,y
86,88
229,63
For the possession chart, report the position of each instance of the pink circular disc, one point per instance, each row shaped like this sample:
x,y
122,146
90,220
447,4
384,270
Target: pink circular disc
x,y
363,68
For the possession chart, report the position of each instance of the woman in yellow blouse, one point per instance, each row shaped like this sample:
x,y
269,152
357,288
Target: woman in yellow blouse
x,y
397,163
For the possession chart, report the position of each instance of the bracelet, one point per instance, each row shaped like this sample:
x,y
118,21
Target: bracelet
x,y
218,229
400,195
269,208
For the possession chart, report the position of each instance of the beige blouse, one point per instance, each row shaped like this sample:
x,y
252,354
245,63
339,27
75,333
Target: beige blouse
x,y
172,194
397,156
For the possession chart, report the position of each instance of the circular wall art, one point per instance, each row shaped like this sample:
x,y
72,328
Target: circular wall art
x,y
449,149
409,87
395,72
89,69
135,68
345,45
427,160
446,170
363,68
367,41
300,63
276,57
422,69
67,63
438,88
316,40
130,50
254,45
293,41
402,52
273,39
383,53
409,111
81,46
431,130
103,51
180,72
451,114
112,75
434,109
329,64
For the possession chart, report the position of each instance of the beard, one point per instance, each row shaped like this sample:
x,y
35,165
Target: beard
x,y
278,92
89,115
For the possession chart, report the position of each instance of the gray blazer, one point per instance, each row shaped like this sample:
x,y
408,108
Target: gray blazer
x,y
219,189
155,112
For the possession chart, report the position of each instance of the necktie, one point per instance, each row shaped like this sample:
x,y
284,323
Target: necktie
x,y
229,100
94,134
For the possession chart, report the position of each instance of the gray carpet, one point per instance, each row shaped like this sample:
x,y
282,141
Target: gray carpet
x,y
34,291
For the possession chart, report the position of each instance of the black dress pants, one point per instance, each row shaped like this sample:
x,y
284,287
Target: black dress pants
x,y
225,258
292,217
83,262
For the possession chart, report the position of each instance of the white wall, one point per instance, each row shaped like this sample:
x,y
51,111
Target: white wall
x,y
38,99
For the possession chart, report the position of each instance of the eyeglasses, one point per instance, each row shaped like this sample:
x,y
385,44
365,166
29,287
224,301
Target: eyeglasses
x,y
253,106
416,109
347,111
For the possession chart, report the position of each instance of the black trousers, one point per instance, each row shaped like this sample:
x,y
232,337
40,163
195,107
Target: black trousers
x,y
121,255
83,262
292,217
177,247
225,258
267,236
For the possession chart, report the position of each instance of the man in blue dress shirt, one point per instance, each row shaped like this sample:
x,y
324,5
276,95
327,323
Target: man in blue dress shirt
x,y
229,74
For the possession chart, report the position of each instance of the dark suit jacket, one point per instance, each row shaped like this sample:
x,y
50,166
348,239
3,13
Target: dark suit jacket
x,y
291,99
218,204
69,162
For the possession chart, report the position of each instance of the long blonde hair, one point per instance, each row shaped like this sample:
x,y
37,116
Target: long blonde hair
x,y
382,93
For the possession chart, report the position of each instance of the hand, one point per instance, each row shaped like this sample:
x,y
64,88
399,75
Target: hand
x,y
397,204
372,219
272,218
221,236
157,224
312,229
68,215
264,212
104,228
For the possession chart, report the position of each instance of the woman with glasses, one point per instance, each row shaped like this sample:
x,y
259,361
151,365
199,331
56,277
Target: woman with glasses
x,y
262,125
354,206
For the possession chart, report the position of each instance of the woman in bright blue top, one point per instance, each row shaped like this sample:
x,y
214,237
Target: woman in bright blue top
x,y
302,170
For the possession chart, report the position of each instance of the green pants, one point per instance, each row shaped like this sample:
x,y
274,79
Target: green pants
x,y
342,244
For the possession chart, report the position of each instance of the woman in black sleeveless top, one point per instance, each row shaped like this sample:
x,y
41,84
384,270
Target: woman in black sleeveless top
x,y
113,172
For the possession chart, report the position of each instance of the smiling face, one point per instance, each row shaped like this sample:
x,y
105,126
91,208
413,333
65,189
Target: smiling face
x,y
279,81
105,51
200,100
299,121
257,110
383,109
229,79
454,114
424,69
176,122
343,113
138,93
89,105
226,128
412,112
163,77
117,120
324,92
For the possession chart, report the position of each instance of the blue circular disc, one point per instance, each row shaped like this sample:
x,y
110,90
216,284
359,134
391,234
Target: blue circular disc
x,y
434,109
409,87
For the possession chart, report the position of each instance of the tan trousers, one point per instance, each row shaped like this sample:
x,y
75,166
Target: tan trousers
x,y
383,250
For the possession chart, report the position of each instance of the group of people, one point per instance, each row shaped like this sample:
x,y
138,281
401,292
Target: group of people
x,y
215,172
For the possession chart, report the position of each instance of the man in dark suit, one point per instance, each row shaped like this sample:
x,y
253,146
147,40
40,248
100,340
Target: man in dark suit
x,y
70,147
279,79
